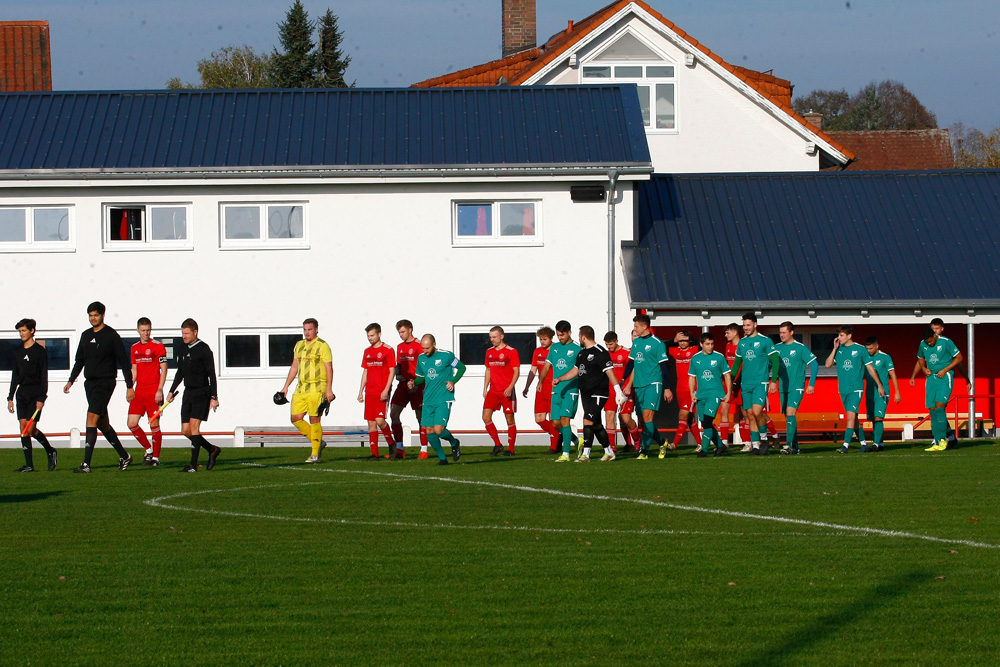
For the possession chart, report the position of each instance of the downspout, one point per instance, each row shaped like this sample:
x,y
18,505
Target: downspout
x,y
612,182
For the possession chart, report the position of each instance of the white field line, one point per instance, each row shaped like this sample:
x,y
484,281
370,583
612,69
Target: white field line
x,y
837,528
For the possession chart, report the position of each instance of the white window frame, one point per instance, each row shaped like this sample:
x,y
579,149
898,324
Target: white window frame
x,y
480,370
262,371
146,243
30,244
496,239
263,242
55,376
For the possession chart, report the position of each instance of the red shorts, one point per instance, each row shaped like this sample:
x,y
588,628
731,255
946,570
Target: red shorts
x,y
683,399
543,401
143,404
374,408
628,407
495,400
403,396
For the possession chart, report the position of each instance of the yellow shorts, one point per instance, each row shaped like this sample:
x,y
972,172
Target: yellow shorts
x,y
306,402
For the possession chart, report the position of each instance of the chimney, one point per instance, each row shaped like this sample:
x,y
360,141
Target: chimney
x,y
518,26
815,119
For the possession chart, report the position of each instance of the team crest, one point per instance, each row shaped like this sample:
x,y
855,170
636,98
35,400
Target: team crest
x,y
590,357
792,353
854,353
714,363
437,362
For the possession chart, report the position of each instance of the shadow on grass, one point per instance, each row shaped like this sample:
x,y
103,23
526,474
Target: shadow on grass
x,y
28,497
851,611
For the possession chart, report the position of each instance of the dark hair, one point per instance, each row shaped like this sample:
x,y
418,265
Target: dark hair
x,y
686,333
847,329
733,327
643,318
498,329
374,326
143,321
610,336
563,326
404,323
311,320
928,334
938,321
96,306
750,316
706,336
871,340
788,325
27,323
587,332
545,331
189,323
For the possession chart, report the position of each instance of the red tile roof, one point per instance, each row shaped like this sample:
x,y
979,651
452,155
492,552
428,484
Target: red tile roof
x,y
25,63
514,70
898,149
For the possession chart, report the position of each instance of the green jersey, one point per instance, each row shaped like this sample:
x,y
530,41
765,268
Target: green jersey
x,y
851,361
882,363
646,354
754,351
436,370
939,355
795,358
708,371
563,360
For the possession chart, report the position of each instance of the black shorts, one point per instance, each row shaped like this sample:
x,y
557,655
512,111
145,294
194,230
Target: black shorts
x,y
195,405
24,405
593,406
99,393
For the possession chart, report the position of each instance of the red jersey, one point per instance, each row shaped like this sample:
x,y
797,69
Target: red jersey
x,y
147,359
537,361
501,364
406,357
378,361
731,354
619,358
682,359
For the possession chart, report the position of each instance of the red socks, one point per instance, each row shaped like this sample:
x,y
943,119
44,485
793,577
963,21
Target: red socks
x,y
772,430
492,430
387,433
511,437
157,441
423,436
140,436
373,442
553,432
682,428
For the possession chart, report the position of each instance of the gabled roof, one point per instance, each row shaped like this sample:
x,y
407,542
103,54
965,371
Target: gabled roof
x,y
25,63
556,129
519,68
898,149
816,241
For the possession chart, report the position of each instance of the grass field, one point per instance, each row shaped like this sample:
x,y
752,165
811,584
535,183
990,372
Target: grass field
x,y
889,558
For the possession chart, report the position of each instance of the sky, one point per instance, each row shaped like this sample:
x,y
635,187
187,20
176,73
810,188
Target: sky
x,y
940,50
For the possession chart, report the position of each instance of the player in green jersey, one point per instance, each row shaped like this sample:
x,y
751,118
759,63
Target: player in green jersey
x,y
852,361
875,405
706,375
795,358
565,391
648,374
937,356
758,360
438,370
937,324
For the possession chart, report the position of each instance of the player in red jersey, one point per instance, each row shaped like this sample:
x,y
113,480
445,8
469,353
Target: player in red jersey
x,y
503,368
149,368
682,361
379,362
406,369
619,358
543,398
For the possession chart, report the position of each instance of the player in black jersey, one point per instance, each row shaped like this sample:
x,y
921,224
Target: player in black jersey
x,y
196,367
596,373
30,379
99,355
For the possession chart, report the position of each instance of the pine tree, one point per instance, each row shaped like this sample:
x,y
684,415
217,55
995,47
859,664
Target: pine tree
x,y
295,67
331,63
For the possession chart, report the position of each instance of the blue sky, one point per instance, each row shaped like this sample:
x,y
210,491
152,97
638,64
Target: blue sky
x,y
939,50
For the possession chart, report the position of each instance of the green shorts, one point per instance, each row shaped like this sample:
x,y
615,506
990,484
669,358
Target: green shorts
x,y
755,394
938,390
648,397
708,407
565,399
792,399
875,405
852,400
435,414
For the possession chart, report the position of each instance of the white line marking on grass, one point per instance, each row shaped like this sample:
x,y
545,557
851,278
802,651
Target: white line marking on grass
x,y
863,530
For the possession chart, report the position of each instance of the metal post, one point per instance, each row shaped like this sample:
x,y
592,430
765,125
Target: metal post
x,y
612,181
972,379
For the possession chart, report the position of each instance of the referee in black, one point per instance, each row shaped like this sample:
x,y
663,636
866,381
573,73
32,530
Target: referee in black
x,y
196,368
99,355
597,373
29,378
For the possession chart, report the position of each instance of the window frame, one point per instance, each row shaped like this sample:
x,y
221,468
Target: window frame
x,y
146,243
55,376
264,242
479,370
264,370
496,239
29,244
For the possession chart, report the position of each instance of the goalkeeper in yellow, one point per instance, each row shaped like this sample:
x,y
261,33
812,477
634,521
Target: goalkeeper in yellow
x,y
313,364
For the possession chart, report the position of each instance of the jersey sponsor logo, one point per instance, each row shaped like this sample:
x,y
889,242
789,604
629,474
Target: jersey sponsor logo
x,y
706,374
934,358
750,355
847,365
561,364
639,357
787,361
432,374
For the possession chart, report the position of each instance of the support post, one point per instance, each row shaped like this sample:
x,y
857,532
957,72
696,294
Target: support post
x,y
972,379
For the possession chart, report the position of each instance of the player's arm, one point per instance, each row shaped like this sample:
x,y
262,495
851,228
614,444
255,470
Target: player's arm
x,y
77,364
418,379
831,358
531,378
567,376
513,381
627,378
728,377
292,372
388,385
921,365
15,379
668,379
330,396
458,370
692,386
737,365
213,382
955,361
874,375
178,378
813,374
895,385
775,360
364,381
486,382
43,373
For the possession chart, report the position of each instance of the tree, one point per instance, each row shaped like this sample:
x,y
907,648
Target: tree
x,y
235,67
331,63
295,66
975,150
884,106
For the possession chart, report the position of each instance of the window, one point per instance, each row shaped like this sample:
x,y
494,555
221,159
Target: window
x,y
471,344
252,352
173,344
263,225
141,226
57,347
655,79
35,228
496,223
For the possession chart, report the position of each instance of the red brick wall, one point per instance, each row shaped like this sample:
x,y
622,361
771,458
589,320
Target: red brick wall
x,y
518,26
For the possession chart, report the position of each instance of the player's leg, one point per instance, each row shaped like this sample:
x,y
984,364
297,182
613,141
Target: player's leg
x,y
104,426
372,434
383,427
427,417
754,418
724,421
29,463
400,397
135,411
201,410
491,428
441,427
682,425
629,428
156,435
791,431
511,426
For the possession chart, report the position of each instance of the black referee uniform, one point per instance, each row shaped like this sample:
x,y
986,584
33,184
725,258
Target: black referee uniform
x,y
592,364
29,382
196,369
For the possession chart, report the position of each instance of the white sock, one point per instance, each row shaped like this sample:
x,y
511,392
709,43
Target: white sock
x,y
586,452
423,448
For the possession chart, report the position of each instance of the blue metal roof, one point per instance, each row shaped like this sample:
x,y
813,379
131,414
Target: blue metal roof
x,y
816,241
534,127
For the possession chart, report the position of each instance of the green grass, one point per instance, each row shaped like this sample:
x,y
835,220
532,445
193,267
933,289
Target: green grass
x,y
409,569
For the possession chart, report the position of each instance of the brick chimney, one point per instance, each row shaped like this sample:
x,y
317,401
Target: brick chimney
x,y
518,26
815,119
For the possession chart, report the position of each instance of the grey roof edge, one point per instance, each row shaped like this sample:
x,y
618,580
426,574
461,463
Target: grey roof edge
x,y
949,304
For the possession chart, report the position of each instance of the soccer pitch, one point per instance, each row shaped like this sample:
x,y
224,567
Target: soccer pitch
x,y
819,559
